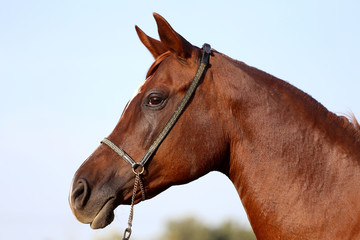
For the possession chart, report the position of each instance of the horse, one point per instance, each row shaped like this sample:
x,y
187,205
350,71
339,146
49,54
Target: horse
x,y
294,164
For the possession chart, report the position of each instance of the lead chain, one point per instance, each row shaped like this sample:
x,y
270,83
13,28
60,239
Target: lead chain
x,y
127,232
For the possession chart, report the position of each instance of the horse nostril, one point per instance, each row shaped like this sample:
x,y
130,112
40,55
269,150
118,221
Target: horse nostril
x,y
80,194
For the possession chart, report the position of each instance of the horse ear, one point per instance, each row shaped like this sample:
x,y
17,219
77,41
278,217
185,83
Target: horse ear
x,y
173,41
155,47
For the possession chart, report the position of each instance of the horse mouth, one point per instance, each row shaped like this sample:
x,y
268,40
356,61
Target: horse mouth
x,y
105,215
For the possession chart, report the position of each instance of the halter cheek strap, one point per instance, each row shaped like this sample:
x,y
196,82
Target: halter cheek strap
x,y
138,168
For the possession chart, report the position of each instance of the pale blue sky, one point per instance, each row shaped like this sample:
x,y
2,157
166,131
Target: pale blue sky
x,y
67,69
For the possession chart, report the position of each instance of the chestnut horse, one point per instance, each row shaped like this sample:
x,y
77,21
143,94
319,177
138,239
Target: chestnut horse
x,y
295,165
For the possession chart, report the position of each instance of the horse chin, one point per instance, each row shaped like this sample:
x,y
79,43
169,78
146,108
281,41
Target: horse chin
x,y
105,216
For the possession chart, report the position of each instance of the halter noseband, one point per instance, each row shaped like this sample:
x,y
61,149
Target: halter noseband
x,y
160,138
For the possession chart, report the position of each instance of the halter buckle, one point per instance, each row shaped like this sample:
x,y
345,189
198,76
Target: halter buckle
x,y
207,52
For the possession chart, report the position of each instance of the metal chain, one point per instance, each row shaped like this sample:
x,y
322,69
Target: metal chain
x,y
127,232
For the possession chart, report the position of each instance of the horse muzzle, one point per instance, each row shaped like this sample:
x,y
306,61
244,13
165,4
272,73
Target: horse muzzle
x,y
87,208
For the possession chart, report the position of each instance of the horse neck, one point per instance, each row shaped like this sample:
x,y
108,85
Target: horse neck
x,y
286,150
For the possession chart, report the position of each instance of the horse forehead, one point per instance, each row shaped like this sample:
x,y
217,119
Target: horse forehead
x,y
157,62
163,80
138,90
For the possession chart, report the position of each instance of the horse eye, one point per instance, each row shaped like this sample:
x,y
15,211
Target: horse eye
x,y
155,100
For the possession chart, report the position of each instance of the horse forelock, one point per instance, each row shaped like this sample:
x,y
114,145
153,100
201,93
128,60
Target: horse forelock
x,y
156,63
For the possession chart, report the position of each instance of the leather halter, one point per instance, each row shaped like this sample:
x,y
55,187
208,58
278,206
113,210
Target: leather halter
x,y
164,132
155,145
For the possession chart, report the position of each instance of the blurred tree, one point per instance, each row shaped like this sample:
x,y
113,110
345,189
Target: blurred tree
x,y
230,231
192,229
185,229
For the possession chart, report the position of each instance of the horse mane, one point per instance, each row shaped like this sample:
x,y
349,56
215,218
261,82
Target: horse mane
x,y
352,119
348,121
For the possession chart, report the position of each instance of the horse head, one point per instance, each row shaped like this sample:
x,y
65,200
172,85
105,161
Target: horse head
x,y
193,147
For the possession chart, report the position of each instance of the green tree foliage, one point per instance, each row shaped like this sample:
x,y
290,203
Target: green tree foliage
x,y
192,229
